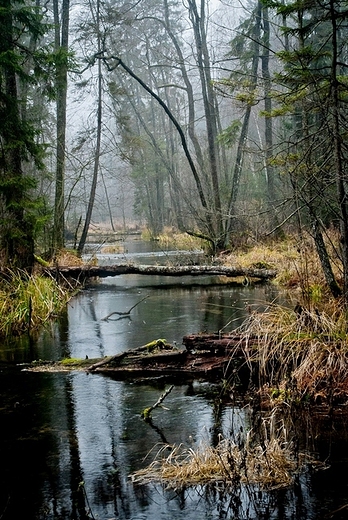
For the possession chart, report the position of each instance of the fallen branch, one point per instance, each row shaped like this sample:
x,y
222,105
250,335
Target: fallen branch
x,y
149,347
146,413
127,313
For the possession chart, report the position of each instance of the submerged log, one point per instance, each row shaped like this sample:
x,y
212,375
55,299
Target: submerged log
x,y
90,271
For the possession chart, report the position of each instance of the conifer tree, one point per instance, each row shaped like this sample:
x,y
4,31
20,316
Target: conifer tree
x,y
20,22
311,95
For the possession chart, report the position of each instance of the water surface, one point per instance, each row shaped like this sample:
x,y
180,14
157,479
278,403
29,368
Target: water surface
x,y
68,442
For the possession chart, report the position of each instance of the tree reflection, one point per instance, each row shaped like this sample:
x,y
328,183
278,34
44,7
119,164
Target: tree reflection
x,y
78,493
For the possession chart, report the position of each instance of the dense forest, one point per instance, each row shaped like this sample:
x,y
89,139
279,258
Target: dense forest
x,y
225,121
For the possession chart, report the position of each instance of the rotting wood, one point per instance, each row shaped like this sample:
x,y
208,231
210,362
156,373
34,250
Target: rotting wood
x,y
117,358
90,271
218,343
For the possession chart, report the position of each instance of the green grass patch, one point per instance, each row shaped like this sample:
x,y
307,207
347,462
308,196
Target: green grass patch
x,y
27,302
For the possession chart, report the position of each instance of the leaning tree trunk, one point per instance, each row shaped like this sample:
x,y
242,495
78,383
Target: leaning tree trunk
x,y
324,258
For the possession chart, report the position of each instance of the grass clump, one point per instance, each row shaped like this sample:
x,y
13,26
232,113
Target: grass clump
x,y
26,302
299,355
171,239
268,462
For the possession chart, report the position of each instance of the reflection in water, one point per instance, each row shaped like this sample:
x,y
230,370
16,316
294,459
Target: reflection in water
x,y
168,312
73,444
68,442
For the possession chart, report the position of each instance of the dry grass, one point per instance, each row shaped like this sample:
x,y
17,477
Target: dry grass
x,y
113,249
67,258
170,238
296,261
268,462
300,356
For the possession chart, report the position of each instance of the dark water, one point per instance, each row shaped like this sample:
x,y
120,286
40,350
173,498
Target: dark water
x,y
68,442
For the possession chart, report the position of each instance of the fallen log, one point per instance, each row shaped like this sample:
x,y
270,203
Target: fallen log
x,y
219,343
156,345
90,271
157,359
209,357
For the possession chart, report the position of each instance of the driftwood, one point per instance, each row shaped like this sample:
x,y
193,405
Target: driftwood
x,y
86,271
146,413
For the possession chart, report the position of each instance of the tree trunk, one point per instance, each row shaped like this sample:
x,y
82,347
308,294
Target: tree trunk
x,y
271,192
61,49
324,259
340,174
245,127
189,90
203,62
87,222
16,232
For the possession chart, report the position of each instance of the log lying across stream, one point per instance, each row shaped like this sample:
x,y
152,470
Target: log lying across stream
x,y
89,271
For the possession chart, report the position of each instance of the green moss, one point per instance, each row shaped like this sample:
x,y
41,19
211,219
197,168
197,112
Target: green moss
x,y
156,344
261,265
146,413
41,261
76,362
70,361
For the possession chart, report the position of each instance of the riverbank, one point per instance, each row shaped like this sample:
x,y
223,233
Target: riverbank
x,y
280,347
312,315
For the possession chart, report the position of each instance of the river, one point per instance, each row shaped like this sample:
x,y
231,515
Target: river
x,y
69,441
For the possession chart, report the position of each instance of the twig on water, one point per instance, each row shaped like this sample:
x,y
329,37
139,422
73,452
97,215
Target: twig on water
x,y
127,313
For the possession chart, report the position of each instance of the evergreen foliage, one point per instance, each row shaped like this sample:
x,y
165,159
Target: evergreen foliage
x,y
22,26
310,91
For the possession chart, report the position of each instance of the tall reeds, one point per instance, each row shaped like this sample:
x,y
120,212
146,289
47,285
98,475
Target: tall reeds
x,y
27,302
299,354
